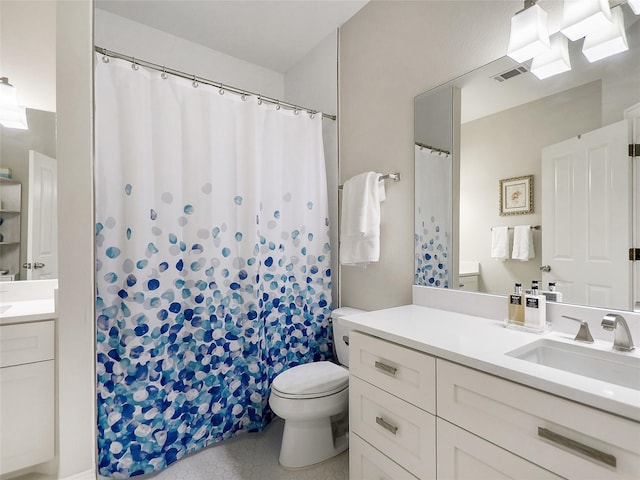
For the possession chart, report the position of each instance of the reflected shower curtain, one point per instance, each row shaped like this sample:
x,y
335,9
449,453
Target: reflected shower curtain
x,y
433,221
212,271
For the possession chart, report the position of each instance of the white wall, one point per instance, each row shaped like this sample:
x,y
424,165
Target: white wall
x,y
389,53
313,83
137,40
76,330
28,51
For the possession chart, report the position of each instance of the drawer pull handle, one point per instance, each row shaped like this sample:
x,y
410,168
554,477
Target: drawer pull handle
x,y
385,368
577,446
386,425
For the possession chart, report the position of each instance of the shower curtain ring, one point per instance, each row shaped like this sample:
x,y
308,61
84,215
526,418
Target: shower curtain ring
x,y
259,100
195,82
296,111
243,97
278,106
105,56
312,115
134,65
164,75
221,91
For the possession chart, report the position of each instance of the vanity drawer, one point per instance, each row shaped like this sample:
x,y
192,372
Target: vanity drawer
x,y
401,431
26,343
399,370
462,455
366,463
567,438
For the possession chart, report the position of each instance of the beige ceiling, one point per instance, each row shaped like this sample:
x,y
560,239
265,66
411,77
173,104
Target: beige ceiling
x,y
273,34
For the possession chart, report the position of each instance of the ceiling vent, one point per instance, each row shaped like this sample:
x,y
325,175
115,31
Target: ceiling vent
x,y
514,72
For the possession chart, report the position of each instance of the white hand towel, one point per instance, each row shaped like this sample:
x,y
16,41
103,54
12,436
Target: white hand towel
x,y
360,220
523,243
500,243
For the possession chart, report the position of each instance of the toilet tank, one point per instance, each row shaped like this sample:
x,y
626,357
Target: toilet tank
x,y
341,332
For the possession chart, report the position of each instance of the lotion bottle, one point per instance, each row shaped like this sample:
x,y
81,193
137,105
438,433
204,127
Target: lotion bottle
x,y
535,308
552,294
516,305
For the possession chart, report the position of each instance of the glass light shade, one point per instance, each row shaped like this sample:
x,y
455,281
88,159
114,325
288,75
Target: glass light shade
x,y
11,114
529,34
608,41
582,17
635,6
554,61
14,118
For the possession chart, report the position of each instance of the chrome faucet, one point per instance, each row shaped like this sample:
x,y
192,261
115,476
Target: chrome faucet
x,y
621,333
584,334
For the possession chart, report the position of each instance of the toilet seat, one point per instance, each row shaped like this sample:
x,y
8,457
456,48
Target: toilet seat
x,y
311,380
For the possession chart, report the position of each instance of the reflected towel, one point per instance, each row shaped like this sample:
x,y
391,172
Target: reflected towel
x,y
360,219
523,243
500,243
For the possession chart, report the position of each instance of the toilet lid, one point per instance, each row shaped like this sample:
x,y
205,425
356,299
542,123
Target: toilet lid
x,y
316,379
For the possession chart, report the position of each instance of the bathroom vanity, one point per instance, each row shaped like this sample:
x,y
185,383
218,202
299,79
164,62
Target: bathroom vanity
x,y
438,394
27,376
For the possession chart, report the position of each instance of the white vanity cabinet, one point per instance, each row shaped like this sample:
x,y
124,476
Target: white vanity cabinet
x,y
391,410
487,427
27,394
569,439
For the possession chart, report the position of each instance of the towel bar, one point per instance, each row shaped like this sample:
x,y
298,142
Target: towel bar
x,y
389,176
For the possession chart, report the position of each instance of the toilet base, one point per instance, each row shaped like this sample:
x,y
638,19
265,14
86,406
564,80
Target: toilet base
x,y
307,442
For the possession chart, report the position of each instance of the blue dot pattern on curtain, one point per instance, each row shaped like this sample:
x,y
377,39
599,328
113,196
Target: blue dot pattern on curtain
x,y
431,256
196,365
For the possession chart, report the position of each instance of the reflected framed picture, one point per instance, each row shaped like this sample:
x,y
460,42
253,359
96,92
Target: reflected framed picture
x,y
516,195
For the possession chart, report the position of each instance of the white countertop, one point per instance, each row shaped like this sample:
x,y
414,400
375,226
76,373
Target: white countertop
x,y
481,344
27,311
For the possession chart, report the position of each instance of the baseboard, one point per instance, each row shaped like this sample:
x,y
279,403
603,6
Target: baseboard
x,y
86,475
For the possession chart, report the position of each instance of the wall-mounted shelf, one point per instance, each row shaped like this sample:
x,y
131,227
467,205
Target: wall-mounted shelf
x,y
10,215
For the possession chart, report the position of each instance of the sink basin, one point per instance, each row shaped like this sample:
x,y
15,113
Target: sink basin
x,y
4,308
611,367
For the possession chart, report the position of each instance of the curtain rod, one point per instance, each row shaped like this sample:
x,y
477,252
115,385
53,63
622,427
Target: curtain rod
x,y
196,80
433,149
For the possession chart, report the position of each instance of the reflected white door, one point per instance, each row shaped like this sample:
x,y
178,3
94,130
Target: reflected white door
x,y
586,213
42,228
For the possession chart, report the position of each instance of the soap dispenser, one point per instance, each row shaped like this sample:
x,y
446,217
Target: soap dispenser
x,y
535,308
516,305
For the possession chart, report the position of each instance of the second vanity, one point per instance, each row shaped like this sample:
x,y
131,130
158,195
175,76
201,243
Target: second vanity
x,y
439,394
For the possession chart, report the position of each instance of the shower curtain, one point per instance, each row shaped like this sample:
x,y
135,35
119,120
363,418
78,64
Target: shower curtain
x,y
213,262
433,218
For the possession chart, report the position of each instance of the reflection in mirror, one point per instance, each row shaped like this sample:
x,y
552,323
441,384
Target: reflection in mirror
x,y
563,131
28,210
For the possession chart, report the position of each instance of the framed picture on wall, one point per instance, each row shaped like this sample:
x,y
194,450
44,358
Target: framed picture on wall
x,y
516,195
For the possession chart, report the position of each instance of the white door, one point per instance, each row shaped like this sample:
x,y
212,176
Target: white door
x,y
586,213
42,223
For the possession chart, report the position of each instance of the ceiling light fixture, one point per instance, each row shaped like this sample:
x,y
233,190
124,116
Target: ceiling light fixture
x,y
582,17
608,41
11,114
554,61
529,35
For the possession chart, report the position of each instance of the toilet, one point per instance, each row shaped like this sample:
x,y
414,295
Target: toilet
x,y
312,398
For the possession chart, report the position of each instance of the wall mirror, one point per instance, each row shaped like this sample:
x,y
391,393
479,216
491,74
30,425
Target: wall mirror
x,y
28,210
570,133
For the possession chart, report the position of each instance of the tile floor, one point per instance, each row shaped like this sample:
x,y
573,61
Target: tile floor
x,y
251,456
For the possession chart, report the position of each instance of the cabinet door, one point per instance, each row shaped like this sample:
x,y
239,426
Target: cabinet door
x,y
367,463
26,415
463,456
401,431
